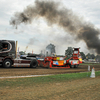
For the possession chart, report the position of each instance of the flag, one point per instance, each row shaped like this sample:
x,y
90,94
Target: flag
x,y
32,51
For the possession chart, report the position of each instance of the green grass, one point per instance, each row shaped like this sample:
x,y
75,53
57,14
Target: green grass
x,y
90,64
45,79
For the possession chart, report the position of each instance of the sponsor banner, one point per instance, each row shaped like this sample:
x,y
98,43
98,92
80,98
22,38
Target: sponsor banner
x,y
60,62
75,62
55,62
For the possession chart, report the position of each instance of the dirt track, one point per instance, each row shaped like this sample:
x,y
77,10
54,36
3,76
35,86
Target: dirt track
x,y
86,88
42,71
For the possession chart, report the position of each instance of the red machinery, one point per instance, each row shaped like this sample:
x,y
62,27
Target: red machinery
x,y
61,62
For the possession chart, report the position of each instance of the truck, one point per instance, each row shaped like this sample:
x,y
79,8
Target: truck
x,y
8,58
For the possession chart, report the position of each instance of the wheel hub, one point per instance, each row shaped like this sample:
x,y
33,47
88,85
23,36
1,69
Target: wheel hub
x,y
7,63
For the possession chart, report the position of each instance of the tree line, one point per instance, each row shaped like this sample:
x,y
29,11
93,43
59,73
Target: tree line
x,y
88,56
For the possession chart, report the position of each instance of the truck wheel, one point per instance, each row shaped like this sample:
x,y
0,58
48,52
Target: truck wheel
x,y
48,66
71,66
34,63
7,63
75,66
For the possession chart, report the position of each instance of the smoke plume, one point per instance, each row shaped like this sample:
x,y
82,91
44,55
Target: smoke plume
x,y
63,17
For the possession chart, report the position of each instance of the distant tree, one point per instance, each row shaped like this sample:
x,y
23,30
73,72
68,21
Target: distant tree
x,y
97,58
92,56
69,52
88,56
83,55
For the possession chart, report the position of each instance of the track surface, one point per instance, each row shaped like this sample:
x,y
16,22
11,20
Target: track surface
x,y
4,72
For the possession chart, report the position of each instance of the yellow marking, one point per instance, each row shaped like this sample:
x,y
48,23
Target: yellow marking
x,y
61,62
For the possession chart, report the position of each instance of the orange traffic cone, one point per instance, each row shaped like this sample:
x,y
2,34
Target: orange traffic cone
x,y
92,73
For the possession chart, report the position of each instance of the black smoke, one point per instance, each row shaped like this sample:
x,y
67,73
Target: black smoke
x,y
54,13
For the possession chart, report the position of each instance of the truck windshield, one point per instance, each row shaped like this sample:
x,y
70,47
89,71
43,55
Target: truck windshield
x,y
75,52
4,47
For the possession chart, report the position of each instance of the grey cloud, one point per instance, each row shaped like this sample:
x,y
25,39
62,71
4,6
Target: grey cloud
x,y
63,17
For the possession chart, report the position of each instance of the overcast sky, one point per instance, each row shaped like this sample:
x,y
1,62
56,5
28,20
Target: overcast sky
x,y
39,34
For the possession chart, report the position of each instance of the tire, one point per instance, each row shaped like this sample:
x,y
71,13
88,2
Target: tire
x,y
34,63
71,66
7,63
75,66
48,65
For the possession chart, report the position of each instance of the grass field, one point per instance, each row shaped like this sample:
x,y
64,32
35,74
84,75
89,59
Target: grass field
x,y
90,64
73,86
